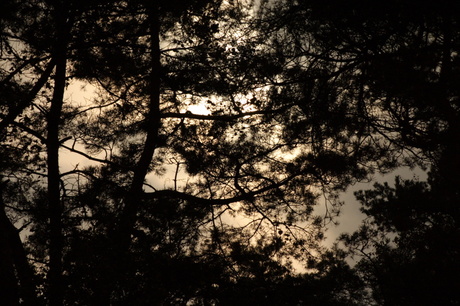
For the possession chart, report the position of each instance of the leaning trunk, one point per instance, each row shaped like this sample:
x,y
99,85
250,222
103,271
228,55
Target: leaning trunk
x,y
121,235
17,277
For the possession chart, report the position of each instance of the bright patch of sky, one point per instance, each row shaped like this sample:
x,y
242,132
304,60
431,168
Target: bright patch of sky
x,y
351,216
78,94
199,109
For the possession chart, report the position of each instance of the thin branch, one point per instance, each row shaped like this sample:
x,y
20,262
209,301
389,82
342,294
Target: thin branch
x,y
104,161
248,196
229,117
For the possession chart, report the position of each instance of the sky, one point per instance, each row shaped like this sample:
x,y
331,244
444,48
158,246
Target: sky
x,y
349,220
351,216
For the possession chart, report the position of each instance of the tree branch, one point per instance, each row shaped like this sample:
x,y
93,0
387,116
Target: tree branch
x,y
229,117
30,97
247,196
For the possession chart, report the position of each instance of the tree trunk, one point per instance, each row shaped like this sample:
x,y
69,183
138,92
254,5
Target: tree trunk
x,y
56,288
16,274
9,287
121,235
153,123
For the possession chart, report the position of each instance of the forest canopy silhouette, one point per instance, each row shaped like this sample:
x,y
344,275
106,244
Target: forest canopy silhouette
x,y
300,100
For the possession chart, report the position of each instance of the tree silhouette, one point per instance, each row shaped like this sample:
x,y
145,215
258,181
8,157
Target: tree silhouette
x,y
179,207
401,63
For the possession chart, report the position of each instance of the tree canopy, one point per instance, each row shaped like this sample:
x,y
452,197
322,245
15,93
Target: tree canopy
x,y
215,130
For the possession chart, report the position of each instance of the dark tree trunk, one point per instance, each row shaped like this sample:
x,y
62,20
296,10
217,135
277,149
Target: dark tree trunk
x,y
153,123
121,235
54,197
9,286
16,274
56,288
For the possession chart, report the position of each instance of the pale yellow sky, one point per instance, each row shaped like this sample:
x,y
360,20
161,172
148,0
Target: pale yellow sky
x,y
349,220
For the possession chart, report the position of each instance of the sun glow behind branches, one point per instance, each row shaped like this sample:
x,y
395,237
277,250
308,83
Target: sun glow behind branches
x,y
245,128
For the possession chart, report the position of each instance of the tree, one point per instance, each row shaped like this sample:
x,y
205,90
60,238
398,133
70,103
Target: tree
x,y
396,63
233,153
297,103
405,248
143,57
401,63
